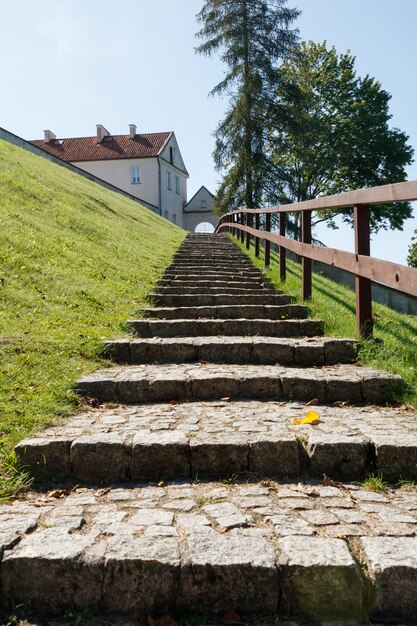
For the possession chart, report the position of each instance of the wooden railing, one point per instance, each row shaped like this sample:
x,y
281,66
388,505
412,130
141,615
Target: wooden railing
x,y
360,263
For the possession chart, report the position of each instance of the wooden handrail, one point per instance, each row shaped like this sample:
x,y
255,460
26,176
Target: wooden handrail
x,y
360,263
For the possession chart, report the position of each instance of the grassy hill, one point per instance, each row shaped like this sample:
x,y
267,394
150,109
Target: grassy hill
x,y
76,260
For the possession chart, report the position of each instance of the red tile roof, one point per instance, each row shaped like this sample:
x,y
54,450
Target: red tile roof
x,y
114,147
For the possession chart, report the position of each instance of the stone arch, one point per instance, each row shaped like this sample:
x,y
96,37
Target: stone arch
x,y
204,227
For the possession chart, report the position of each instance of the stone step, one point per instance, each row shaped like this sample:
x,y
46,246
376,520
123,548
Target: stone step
x,y
255,350
248,311
304,551
219,439
211,264
208,381
209,255
187,300
197,275
203,291
251,283
228,327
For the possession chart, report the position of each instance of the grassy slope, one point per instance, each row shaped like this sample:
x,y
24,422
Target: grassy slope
x,y
335,304
76,261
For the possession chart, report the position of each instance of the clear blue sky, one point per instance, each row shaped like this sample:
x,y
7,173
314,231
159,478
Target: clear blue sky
x,y
67,65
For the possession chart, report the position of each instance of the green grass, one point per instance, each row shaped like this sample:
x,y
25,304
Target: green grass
x,y
335,304
374,482
76,261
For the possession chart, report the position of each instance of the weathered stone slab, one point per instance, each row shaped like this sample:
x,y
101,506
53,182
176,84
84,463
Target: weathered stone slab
x,y
160,455
275,456
100,457
46,454
392,567
320,579
222,571
397,454
141,574
337,455
50,571
219,456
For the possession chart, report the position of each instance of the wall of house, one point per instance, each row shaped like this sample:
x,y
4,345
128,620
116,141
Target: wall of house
x,y
192,220
199,209
118,173
173,203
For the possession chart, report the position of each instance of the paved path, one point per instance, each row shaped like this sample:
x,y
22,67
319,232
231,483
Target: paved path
x,y
197,492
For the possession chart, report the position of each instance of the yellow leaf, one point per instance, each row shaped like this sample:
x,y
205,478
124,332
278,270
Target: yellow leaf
x,y
312,418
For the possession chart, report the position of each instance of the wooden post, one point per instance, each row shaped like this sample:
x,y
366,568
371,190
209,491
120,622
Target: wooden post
x,y
306,263
364,321
257,224
242,233
248,223
282,256
267,243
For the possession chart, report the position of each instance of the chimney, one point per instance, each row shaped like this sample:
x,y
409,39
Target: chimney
x,y
49,136
132,131
101,133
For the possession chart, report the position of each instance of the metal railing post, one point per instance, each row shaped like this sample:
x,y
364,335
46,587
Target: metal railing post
x,y
282,255
267,242
364,321
306,263
257,224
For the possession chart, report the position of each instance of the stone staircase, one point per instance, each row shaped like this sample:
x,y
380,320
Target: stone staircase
x,y
198,492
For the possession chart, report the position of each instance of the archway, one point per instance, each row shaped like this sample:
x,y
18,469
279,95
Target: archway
x,y
204,227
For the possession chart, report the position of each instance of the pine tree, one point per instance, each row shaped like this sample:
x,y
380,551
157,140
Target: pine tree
x,y
252,36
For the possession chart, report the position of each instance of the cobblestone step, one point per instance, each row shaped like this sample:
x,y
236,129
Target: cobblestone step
x,y
253,283
207,381
227,327
326,552
219,439
322,553
242,311
252,290
233,275
254,350
212,265
170,300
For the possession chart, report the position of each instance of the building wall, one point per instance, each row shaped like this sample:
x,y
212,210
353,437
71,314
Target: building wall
x,y
173,203
199,209
192,220
118,173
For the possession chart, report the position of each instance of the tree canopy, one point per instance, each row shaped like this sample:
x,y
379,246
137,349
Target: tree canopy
x,y
330,133
412,252
251,36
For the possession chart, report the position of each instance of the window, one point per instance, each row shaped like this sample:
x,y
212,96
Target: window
x,y
203,204
177,184
169,180
171,154
166,215
174,219
135,175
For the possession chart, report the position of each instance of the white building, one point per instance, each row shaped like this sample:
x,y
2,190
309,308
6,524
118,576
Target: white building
x,y
148,166
198,212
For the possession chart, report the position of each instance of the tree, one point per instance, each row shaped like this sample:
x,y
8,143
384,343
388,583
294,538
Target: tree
x,y
252,36
412,252
330,133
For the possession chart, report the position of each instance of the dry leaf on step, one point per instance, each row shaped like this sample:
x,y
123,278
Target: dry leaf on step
x,y
311,418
